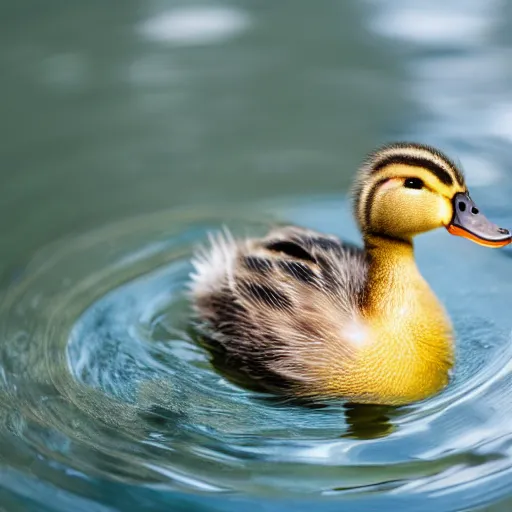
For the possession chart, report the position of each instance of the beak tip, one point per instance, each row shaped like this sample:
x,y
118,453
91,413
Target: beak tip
x,y
495,242
469,223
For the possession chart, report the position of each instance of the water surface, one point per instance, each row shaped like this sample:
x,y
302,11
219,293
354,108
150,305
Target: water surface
x,y
127,135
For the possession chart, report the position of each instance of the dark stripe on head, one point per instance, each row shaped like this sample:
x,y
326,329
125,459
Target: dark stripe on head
x,y
369,201
397,147
414,161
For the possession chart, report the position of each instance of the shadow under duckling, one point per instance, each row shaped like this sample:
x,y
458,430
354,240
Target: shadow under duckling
x,y
307,315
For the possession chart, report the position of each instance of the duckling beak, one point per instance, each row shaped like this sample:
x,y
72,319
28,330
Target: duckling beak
x,y
467,221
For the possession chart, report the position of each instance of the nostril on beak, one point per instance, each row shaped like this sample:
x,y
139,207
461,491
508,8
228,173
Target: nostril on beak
x,y
503,231
474,210
462,206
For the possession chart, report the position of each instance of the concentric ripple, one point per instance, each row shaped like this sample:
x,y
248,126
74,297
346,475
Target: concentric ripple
x,y
102,381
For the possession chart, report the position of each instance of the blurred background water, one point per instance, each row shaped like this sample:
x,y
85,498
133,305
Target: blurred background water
x,y
128,130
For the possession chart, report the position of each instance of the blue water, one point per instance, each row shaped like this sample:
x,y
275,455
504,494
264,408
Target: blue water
x,y
107,386
132,132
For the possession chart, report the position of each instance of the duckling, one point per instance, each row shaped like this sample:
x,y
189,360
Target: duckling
x,y
307,315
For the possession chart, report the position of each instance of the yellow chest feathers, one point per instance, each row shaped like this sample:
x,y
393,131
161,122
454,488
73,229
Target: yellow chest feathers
x,y
409,350
401,342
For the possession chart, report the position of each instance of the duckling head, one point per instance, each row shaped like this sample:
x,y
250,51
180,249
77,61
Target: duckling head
x,y
405,189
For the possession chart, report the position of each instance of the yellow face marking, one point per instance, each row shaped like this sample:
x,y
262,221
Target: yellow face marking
x,y
393,176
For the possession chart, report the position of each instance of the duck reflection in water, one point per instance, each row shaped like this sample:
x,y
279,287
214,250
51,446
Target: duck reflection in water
x,y
363,421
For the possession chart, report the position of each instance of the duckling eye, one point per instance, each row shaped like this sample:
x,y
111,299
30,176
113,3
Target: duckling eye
x,y
415,183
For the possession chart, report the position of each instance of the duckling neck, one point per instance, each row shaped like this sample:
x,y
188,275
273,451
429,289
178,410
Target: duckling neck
x,y
401,303
393,275
395,286
412,341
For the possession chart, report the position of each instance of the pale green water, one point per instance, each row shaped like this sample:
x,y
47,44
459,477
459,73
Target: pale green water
x,y
127,133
